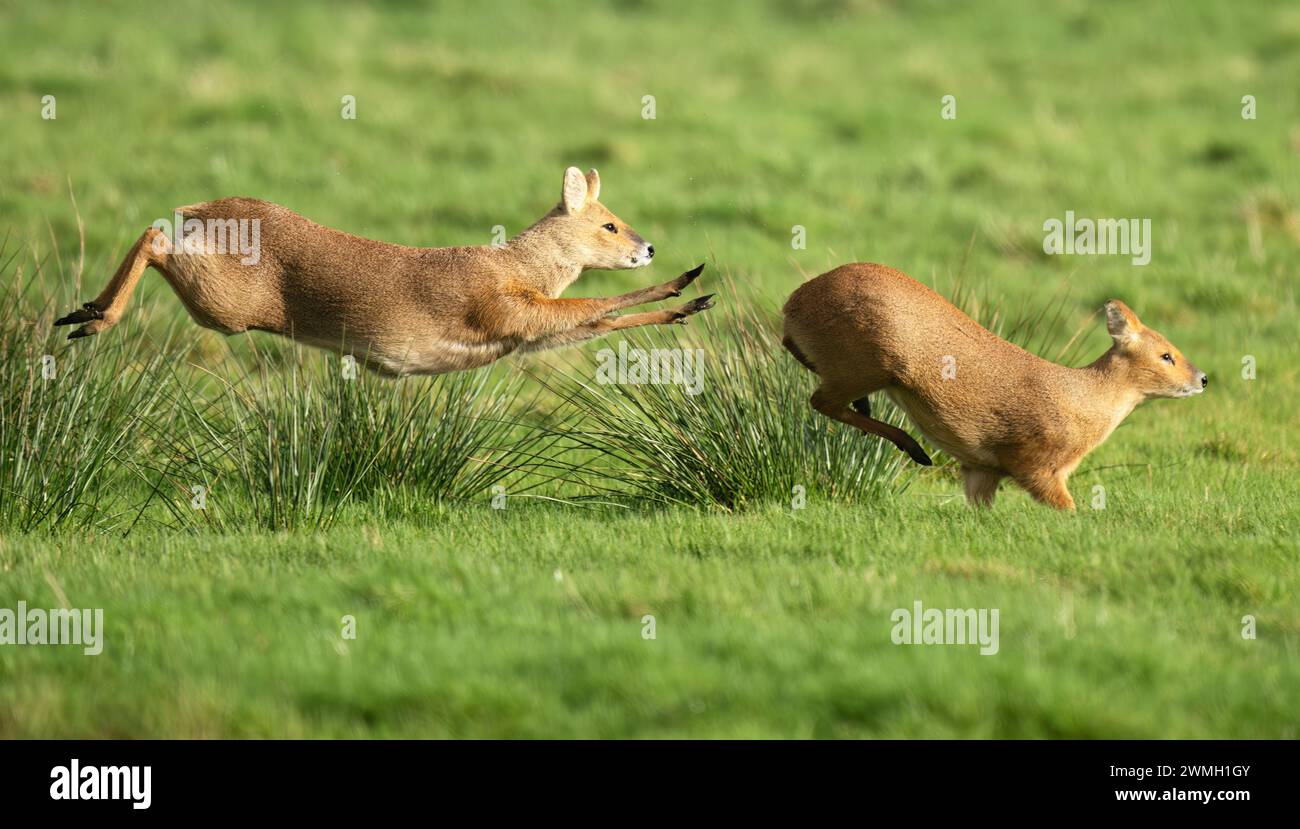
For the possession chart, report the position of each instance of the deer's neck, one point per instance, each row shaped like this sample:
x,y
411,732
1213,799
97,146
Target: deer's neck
x,y
544,258
1104,394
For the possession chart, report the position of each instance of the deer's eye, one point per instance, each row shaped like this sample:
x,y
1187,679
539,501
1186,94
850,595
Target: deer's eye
x,y
610,227
1168,358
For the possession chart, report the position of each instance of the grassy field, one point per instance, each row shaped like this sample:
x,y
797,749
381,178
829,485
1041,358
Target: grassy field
x,y
375,499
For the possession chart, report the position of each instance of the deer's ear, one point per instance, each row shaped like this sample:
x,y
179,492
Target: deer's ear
x,y
1121,322
574,195
593,185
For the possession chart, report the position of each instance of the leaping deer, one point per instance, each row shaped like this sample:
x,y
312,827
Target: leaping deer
x,y
1001,411
400,310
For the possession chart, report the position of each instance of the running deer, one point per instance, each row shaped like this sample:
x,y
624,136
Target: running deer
x,y
401,310
999,410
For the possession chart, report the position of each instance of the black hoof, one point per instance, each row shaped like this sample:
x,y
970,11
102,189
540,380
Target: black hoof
x,y
917,454
695,306
686,279
85,313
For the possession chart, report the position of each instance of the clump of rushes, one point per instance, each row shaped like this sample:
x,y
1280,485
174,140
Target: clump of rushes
x,y
72,421
748,436
299,437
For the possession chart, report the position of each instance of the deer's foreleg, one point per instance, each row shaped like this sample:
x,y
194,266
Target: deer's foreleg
x,y
656,293
608,325
531,316
1047,488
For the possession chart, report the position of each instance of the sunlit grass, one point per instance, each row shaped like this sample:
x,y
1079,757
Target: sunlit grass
x,y
486,612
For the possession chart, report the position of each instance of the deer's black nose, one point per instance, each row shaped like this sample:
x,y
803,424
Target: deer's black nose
x,y
650,251
1205,380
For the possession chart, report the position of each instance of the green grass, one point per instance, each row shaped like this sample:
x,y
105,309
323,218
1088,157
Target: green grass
x,y
527,622
369,500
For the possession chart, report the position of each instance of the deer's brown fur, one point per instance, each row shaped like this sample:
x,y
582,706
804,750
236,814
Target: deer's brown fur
x,y
401,310
999,410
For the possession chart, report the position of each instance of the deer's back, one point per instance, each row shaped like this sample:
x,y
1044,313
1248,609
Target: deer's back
x,y
869,327
321,284
873,311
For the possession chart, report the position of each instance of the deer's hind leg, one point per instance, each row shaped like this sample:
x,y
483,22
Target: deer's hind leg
x,y
834,402
102,313
981,485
